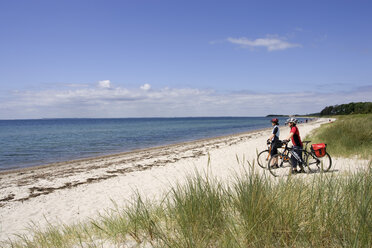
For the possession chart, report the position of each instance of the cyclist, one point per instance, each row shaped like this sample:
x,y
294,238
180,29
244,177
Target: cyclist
x,y
274,139
294,136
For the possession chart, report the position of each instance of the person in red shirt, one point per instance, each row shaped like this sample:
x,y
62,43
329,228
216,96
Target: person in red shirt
x,y
294,136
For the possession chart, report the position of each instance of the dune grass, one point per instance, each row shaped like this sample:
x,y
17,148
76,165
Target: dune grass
x,y
329,211
348,136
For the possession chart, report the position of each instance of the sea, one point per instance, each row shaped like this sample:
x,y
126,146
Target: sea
x,y
27,143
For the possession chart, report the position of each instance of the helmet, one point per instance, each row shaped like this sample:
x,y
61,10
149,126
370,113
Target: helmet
x,y
292,120
275,120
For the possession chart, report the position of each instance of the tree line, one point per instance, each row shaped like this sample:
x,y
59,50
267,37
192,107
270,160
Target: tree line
x,y
349,108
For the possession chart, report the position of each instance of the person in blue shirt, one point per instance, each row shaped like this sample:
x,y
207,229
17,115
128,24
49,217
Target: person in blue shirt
x,y
274,140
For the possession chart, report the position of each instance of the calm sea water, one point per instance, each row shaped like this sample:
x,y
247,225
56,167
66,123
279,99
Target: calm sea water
x,y
25,143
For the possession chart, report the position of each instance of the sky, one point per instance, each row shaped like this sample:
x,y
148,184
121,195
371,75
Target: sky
x,y
154,58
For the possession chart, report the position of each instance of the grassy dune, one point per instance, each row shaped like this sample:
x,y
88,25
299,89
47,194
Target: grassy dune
x,y
329,211
348,136
326,211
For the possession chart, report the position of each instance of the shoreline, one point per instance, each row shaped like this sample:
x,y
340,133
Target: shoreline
x,y
76,191
113,155
23,184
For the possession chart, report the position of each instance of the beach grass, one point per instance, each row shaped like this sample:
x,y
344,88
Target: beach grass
x,y
348,136
327,211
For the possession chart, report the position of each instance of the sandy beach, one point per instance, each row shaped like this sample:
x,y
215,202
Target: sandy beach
x,y
75,191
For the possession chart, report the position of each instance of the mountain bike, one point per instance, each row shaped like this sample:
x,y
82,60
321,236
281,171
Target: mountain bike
x,y
310,162
264,156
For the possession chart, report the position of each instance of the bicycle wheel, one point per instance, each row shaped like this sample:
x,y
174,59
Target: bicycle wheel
x,y
316,164
262,158
283,168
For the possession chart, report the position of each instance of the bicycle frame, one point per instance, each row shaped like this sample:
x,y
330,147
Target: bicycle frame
x,y
290,150
268,155
294,154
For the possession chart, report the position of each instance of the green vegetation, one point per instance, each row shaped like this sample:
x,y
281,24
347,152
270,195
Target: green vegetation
x,y
350,108
343,109
348,136
329,211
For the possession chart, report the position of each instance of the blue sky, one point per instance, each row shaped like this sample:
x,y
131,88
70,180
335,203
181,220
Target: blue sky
x,y
182,58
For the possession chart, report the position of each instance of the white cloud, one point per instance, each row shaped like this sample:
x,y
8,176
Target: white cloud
x,y
167,102
104,84
146,87
271,43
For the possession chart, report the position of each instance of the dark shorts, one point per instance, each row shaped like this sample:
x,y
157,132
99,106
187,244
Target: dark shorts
x,y
274,148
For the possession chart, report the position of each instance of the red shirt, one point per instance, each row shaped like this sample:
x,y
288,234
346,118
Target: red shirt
x,y
296,139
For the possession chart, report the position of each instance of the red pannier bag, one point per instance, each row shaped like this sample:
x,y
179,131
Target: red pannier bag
x,y
319,149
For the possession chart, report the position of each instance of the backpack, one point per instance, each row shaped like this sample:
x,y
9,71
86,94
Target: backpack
x,y
319,149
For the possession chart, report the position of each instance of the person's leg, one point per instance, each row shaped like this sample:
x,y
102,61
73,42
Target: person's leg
x,y
294,160
299,152
294,163
274,151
